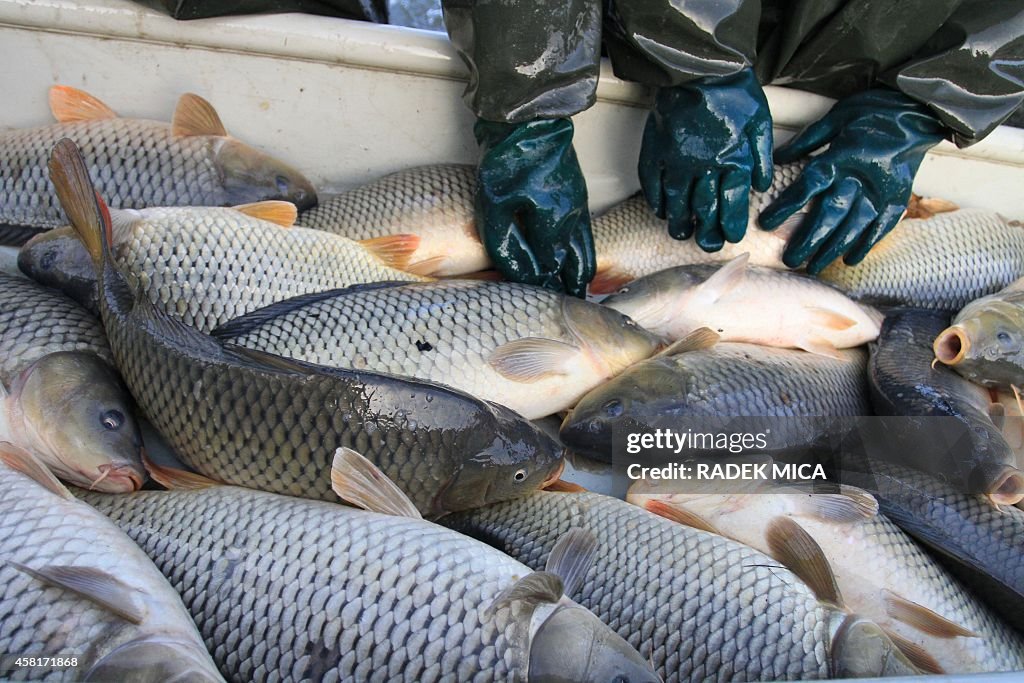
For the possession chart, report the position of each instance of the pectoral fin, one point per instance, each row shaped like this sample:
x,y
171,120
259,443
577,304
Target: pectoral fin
x,y
361,483
922,618
94,585
572,557
791,545
533,588
532,359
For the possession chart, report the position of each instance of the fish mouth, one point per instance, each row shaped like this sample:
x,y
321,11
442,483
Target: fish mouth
x,y
556,475
951,346
1008,488
116,479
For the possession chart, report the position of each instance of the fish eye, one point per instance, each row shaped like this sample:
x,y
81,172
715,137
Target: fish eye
x,y
624,290
1003,337
613,408
282,184
112,419
520,475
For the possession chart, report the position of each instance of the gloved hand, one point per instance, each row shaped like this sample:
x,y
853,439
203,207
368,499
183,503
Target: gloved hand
x,y
877,139
705,143
531,204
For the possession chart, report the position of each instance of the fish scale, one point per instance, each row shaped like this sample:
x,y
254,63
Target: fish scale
x,y
134,163
209,265
943,262
888,560
447,332
39,529
433,202
36,321
702,607
286,589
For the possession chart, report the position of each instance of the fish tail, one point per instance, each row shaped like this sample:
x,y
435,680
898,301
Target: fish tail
x,y
81,202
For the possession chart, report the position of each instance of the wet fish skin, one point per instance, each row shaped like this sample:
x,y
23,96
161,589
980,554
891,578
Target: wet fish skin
x,y
747,304
763,385
449,332
346,593
137,163
985,342
980,543
631,241
941,408
57,259
943,262
432,202
273,424
42,529
886,561
658,583
210,265
60,397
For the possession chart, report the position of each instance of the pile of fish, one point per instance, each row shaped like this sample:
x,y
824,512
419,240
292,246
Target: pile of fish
x,y
360,485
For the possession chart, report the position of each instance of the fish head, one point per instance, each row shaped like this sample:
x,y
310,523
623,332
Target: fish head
x,y
619,407
862,649
77,415
58,259
574,645
987,346
512,457
661,301
154,659
611,341
248,175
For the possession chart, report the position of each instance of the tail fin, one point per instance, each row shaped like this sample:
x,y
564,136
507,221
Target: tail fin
x,y
79,199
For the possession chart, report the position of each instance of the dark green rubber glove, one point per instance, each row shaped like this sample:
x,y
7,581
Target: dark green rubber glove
x,y
705,144
531,204
876,139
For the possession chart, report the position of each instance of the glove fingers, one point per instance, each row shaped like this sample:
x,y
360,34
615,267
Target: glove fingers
x,y
813,181
580,261
761,143
705,213
734,206
821,222
806,141
873,235
677,210
507,247
846,234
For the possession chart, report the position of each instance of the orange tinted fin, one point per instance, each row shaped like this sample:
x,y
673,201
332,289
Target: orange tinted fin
x,y
22,461
680,516
71,104
174,479
273,211
82,204
426,267
196,116
393,250
563,486
609,280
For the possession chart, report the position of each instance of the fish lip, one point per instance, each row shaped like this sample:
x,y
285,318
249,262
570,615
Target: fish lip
x,y
1008,488
951,346
117,479
556,475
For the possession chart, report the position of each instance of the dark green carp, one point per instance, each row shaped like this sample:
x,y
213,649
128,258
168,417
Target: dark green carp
x,y
271,423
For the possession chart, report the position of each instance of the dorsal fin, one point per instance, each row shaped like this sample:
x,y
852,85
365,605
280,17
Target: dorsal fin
x,y
174,479
71,104
358,481
791,545
272,210
94,585
196,116
20,460
244,324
